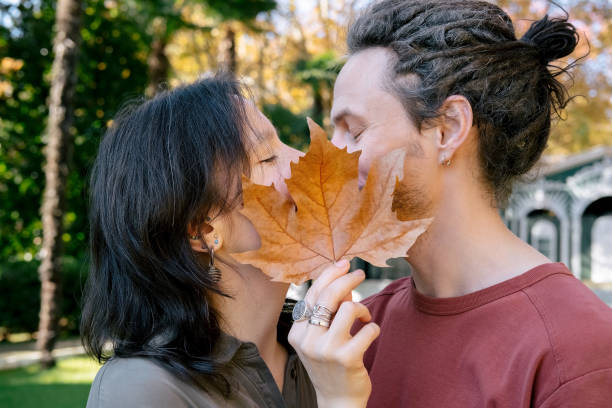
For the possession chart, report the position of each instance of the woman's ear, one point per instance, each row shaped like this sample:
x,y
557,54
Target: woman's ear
x,y
203,237
213,240
456,123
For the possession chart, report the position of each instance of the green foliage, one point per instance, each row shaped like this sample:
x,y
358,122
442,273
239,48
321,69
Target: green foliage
x,y
116,38
319,70
112,68
154,18
241,10
20,296
292,129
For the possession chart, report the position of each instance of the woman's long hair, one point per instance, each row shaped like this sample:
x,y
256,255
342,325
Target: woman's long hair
x,y
163,165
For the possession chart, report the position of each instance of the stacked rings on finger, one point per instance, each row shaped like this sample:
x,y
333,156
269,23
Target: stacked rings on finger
x,y
321,316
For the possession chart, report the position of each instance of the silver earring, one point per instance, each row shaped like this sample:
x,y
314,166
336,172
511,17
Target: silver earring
x,y
196,236
448,163
213,271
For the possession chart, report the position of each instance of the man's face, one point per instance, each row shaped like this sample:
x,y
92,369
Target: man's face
x,y
368,117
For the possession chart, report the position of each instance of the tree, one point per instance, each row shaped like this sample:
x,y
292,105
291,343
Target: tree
x,y
243,11
112,69
319,72
161,19
59,140
586,120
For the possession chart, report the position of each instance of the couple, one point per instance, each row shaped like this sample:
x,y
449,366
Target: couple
x,y
485,320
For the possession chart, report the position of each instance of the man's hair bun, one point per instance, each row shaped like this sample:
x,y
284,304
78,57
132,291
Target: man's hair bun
x,y
554,38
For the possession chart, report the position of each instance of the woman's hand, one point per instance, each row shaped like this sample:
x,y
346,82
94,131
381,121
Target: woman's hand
x,y
332,357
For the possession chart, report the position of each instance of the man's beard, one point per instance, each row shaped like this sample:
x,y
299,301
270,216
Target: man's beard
x,y
411,203
410,200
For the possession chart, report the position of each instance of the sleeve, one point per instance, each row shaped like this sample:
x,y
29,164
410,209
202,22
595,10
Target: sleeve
x,y
135,388
591,390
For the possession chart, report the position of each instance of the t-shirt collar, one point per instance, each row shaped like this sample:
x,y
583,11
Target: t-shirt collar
x,y
460,304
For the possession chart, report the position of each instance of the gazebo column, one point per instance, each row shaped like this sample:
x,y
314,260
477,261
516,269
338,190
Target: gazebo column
x,y
564,255
514,225
576,244
523,233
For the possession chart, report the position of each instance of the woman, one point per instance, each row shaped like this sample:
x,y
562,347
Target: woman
x,y
186,325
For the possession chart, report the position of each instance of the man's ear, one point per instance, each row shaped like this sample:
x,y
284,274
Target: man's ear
x,y
455,124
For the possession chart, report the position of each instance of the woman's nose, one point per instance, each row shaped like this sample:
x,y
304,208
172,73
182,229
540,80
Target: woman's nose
x,y
290,155
295,154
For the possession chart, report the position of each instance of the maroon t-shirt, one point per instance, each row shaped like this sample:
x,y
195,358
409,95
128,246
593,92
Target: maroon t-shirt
x,y
541,339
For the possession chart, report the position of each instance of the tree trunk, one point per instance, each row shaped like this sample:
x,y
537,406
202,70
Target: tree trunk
x,y
228,50
318,108
59,140
261,80
158,66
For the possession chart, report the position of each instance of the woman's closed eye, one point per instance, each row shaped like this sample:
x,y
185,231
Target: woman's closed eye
x,y
270,159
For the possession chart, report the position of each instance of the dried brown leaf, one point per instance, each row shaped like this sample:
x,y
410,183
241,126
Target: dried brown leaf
x,y
331,218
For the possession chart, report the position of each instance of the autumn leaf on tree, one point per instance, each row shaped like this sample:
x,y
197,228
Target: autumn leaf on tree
x,y
330,218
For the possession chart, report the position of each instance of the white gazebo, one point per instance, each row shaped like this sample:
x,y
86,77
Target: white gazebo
x,y
565,211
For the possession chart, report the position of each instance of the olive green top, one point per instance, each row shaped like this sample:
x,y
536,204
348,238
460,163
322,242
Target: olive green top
x,y
141,382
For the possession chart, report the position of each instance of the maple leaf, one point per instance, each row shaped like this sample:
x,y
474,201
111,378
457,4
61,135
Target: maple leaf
x,y
330,218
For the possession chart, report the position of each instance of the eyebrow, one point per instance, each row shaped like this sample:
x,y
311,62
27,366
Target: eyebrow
x,y
266,135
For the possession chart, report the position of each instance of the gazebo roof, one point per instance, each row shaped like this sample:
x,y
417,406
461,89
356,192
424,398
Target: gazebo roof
x,y
551,165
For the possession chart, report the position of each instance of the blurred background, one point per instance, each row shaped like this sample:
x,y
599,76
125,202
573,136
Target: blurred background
x,y
288,52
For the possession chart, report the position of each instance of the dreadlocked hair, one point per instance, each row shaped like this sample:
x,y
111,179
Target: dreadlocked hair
x,y
469,48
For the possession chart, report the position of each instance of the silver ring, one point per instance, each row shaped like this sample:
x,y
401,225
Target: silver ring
x,y
317,321
321,310
301,311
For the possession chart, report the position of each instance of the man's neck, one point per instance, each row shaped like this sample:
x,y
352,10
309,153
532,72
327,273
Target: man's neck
x,y
251,313
468,248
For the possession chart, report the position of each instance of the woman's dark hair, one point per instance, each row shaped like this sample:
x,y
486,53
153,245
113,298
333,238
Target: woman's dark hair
x,y
469,48
157,171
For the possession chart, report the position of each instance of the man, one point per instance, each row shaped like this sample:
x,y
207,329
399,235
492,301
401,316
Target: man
x,y
485,320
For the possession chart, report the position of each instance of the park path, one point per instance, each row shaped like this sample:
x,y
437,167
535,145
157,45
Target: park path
x,y
20,355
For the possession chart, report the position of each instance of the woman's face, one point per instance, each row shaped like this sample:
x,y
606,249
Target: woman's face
x,y
270,165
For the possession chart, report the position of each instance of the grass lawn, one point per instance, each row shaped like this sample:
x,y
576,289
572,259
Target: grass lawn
x,y
64,386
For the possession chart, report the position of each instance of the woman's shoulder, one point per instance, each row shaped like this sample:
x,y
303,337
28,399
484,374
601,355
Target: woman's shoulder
x,y
132,370
136,382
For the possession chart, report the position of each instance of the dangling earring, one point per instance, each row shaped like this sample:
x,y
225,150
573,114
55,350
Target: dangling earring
x,y
213,271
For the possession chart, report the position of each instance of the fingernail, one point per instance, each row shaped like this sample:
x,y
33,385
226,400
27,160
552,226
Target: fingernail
x,y
342,263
